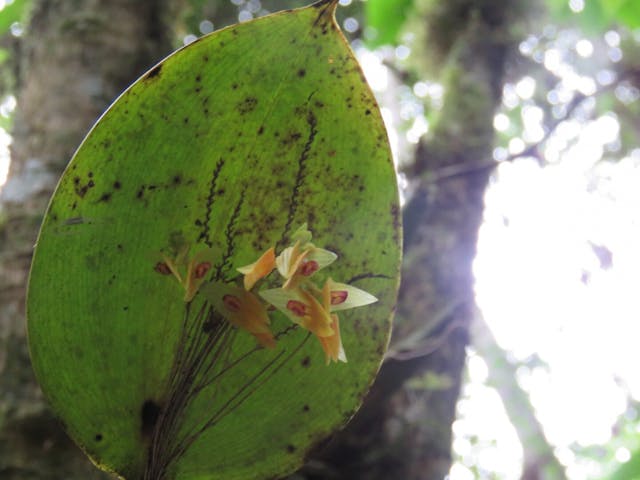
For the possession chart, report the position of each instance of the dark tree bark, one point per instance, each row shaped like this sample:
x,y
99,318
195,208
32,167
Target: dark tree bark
x,y
75,58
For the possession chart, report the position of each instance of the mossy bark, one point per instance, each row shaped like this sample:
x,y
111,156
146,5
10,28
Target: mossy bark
x,y
75,58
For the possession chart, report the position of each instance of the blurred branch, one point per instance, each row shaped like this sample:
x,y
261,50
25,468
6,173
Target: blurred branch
x,y
540,463
533,150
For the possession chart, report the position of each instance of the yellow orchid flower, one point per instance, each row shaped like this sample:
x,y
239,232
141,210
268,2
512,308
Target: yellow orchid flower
x,y
242,309
302,307
300,261
259,269
190,273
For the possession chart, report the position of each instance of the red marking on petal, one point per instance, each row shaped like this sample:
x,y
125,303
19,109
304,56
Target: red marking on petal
x,y
162,268
201,269
299,309
338,297
231,302
308,268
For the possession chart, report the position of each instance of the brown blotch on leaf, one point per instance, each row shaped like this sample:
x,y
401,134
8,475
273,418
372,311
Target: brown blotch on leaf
x,y
154,72
149,414
306,361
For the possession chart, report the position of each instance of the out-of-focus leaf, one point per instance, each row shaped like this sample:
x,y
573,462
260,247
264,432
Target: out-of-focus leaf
x,y
597,15
11,13
593,19
627,13
629,470
386,18
216,154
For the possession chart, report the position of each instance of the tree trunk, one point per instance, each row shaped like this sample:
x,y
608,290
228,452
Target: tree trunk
x,y
75,58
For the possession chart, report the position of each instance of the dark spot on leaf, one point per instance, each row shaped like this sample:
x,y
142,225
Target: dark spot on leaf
x,y
367,112
395,214
119,247
125,308
234,86
261,130
91,184
149,414
185,120
198,78
306,361
302,72
177,179
98,437
117,185
140,192
247,105
291,448
105,197
306,408
154,72
90,175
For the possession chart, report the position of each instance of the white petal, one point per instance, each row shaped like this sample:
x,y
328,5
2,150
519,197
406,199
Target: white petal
x,y
355,296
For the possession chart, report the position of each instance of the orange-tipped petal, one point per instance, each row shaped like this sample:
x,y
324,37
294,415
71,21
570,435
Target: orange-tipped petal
x,y
265,339
332,345
242,309
318,320
259,269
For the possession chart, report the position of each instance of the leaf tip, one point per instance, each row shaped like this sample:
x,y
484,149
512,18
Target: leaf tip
x,y
326,7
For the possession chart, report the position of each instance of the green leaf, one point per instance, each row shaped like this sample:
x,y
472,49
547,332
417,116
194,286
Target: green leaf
x,y
629,470
215,155
11,13
386,18
626,12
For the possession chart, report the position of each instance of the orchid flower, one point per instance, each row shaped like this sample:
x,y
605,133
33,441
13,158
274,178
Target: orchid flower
x,y
259,269
190,273
300,261
302,307
242,309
